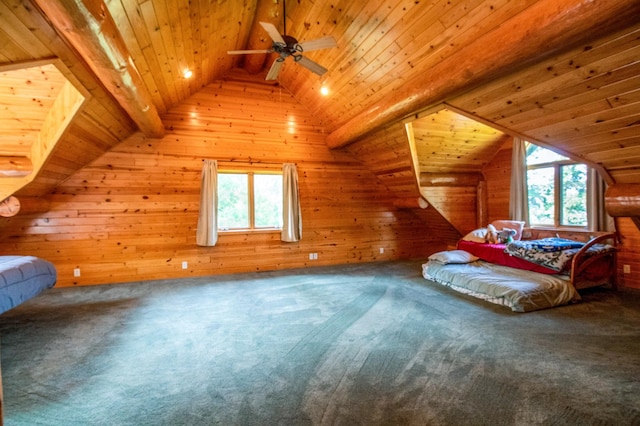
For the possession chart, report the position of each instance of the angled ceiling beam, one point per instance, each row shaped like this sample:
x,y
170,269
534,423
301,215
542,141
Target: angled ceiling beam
x,y
89,27
540,31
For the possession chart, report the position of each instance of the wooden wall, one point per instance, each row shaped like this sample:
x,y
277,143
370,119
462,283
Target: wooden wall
x,y
131,215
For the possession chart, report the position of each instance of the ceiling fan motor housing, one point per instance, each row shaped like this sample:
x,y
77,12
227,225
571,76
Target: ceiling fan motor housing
x,y
292,47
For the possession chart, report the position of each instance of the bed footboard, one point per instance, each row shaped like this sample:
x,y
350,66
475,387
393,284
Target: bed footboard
x,y
590,270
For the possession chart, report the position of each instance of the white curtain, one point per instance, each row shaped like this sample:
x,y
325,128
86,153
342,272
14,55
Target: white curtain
x,y
598,219
207,231
518,197
291,212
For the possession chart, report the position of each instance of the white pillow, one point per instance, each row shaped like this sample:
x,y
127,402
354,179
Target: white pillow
x,y
453,256
476,236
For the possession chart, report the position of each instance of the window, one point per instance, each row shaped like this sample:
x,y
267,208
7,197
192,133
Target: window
x,y
249,200
557,188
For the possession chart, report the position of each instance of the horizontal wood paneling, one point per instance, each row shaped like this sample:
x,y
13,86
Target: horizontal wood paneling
x,y
132,214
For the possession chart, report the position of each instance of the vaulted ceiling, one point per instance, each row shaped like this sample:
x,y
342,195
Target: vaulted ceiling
x,y
564,73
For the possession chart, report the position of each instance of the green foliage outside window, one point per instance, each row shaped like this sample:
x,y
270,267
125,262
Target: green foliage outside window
x,y
554,180
234,201
574,195
268,201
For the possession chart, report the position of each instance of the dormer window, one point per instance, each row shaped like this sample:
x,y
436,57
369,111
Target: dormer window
x,y
557,189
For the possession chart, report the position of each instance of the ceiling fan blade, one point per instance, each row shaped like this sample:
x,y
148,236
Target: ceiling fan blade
x,y
274,70
242,52
273,32
311,66
319,43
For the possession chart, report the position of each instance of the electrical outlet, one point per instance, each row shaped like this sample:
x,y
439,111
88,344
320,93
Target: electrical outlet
x,y
185,265
310,256
76,272
315,256
381,250
626,269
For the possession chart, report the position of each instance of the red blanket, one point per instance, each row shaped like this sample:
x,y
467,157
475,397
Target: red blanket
x,y
494,253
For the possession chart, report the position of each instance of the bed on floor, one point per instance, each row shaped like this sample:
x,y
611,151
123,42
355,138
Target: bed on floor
x,y
526,275
22,278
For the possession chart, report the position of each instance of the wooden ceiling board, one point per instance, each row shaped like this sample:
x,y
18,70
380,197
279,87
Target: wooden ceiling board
x,y
585,102
383,45
26,97
446,141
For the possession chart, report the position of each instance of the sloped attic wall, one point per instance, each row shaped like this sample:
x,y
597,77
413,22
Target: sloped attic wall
x,y
131,215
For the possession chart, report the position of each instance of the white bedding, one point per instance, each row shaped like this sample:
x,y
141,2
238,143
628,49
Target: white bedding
x,y
522,291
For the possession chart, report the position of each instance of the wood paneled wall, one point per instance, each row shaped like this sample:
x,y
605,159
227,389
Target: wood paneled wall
x,y
131,215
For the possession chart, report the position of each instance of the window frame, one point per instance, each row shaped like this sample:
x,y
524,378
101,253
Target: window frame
x,y
250,174
558,200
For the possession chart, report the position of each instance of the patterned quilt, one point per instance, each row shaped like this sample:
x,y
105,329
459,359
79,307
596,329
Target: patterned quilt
x,y
553,253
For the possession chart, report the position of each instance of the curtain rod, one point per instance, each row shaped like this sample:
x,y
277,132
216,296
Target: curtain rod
x,y
254,162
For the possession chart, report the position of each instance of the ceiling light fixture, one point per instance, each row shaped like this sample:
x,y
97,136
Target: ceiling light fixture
x,y
187,73
324,90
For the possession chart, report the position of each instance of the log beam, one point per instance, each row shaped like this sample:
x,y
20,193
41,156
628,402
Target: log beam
x,y
267,11
623,200
15,166
410,203
89,27
537,33
451,179
33,205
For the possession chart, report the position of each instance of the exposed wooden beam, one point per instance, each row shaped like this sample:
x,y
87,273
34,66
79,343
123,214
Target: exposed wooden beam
x,y
540,31
410,203
90,29
267,11
32,205
451,179
15,166
623,200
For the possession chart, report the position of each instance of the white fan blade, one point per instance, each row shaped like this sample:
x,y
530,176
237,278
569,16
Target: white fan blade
x,y
242,52
273,32
274,70
311,66
319,43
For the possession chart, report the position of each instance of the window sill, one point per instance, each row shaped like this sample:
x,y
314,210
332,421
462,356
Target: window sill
x,y
250,231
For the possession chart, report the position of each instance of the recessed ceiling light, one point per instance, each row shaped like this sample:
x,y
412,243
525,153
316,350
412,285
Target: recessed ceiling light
x,y
187,73
324,90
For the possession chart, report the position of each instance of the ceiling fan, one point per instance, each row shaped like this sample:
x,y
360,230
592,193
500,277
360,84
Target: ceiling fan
x,y
287,46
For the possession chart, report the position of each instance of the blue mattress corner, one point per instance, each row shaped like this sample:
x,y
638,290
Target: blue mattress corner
x,y
22,278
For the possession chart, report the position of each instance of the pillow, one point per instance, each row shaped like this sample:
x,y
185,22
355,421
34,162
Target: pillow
x,y
453,256
476,236
517,225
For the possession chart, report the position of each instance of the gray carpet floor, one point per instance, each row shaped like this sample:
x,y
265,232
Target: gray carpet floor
x,y
367,344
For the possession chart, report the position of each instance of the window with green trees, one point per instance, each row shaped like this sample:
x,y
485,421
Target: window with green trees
x,y
557,189
248,200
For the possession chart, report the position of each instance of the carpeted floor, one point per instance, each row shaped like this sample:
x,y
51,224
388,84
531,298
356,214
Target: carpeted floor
x,y
369,344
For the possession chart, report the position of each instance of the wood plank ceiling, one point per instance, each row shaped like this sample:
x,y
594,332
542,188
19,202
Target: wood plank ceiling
x,y
583,99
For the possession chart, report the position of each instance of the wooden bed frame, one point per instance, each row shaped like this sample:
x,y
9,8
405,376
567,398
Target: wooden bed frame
x,y
581,262
514,285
